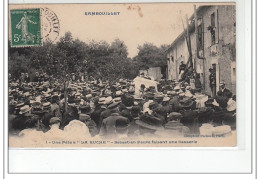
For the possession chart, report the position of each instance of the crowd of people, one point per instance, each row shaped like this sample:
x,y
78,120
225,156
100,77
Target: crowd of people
x,y
115,109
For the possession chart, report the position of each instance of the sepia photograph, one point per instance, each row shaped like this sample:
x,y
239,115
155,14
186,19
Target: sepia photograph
x,y
122,75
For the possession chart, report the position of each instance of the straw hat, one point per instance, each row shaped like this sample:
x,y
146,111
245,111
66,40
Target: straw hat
x,y
24,109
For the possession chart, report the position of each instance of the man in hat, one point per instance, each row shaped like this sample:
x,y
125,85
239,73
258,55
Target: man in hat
x,y
71,114
122,125
89,123
55,108
23,119
85,108
104,114
158,98
149,124
212,82
11,112
166,106
173,124
181,69
135,113
174,103
46,115
223,90
189,115
128,102
157,110
55,132
108,124
107,91
95,115
149,99
37,109
205,115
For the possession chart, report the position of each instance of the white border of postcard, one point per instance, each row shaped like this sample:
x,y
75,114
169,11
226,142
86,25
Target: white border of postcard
x,y
148,160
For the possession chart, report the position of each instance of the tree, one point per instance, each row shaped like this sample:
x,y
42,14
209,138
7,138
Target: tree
x,y
151,56
118,47
98,59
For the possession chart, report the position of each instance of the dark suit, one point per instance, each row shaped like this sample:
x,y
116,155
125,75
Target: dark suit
x,y
108,127
223,93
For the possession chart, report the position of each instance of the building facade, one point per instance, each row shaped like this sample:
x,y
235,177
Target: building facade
x,y
214,46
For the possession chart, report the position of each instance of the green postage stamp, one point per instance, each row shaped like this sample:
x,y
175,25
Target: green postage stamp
x,y
25,27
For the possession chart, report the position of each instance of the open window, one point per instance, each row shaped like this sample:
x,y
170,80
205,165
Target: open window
x,y
213,28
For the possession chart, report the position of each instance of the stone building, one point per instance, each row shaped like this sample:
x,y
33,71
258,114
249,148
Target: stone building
x,y
216,46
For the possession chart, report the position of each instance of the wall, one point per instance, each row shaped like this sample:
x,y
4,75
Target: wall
x,y
222,53
225,45
177,54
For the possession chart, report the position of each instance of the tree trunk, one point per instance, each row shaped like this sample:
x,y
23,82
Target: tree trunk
x,y
65,96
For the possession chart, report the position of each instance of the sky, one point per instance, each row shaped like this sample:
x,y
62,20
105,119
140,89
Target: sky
x,y
157,23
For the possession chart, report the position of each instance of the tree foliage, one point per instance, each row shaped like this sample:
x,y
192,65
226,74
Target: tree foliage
x,y
151,56
98,59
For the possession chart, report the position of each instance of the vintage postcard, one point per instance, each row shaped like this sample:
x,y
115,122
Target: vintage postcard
x,y
122,75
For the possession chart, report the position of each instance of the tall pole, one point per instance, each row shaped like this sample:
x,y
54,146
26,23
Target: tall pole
x,y
187,41
185,35
65,84
196,37
188,38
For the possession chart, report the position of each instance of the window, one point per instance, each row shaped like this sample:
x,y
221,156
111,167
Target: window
x,y
213,28
200,38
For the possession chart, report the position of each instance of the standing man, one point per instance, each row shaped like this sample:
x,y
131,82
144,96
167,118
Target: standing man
x,y
212,82
181,69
